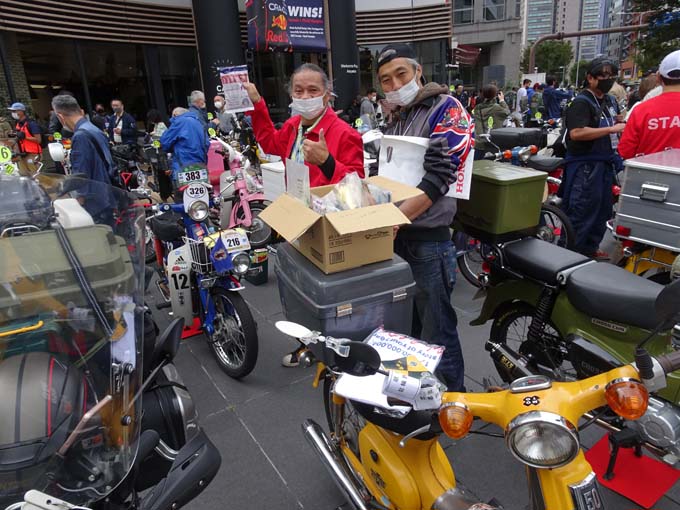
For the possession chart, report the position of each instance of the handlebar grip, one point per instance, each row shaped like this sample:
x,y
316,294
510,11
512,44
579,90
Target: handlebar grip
x,y
670,362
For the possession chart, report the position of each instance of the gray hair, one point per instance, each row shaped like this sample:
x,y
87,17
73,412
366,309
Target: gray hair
x,y
327,85
179,111
413,63
66,105
195,96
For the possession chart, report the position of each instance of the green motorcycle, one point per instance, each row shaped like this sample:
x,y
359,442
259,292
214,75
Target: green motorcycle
x,y
558,313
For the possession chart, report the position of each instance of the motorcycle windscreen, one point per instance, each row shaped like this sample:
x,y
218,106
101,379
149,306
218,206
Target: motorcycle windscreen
x,y
71,335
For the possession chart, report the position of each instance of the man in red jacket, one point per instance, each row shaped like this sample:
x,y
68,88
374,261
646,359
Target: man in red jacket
x,y
654,125
314,135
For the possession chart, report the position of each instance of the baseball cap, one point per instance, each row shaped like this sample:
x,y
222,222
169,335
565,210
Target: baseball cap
x,y
17,107
597,65
395,50
670,66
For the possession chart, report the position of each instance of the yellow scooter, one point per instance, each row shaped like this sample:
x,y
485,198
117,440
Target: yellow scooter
x,y
382,462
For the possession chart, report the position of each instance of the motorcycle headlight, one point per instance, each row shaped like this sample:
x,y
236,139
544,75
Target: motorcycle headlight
x,y
241,263
198,211
542,440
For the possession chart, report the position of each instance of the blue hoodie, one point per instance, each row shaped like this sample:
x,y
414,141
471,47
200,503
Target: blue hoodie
x,y
187,140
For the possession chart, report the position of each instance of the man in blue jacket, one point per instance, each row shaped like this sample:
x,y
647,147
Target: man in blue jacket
x,y
186,139
553,97
90,159
122,128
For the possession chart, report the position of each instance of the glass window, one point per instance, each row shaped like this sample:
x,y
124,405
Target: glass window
x,y
463,12
494,10
179,75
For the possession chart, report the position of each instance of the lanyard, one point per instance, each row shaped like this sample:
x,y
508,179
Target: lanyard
x,y
296,154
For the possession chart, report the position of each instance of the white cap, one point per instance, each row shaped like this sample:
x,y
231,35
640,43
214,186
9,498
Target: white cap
x,y
670,64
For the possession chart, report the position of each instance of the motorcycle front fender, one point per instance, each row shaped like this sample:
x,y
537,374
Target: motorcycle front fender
x,y
506,292
194,468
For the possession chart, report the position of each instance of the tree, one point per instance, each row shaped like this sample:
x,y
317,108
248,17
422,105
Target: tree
x,y
550,57
582,68
663,35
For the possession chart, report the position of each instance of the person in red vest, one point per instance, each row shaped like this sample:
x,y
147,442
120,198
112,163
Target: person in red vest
x,y
29,138
314,135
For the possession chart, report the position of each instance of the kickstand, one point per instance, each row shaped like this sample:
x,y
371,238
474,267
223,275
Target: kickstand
x,y
624,438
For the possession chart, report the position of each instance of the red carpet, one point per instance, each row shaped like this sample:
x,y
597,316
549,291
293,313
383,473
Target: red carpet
x,y
643,480
193,330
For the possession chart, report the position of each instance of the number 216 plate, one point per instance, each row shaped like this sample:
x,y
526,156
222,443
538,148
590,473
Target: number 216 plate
x,y
235,240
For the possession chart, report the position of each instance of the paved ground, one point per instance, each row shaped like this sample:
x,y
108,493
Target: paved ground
x,y
255,423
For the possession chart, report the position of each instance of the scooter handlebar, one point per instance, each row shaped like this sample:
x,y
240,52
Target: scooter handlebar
x,y
669,362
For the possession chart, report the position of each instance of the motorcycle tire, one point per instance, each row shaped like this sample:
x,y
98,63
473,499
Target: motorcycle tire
x,y
470,261
556,228
510,328
235,356
352,421
259,233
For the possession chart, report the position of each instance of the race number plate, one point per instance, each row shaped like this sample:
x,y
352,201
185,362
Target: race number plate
x,y
235,240
5,154
10,169
196,191
587,494
189,176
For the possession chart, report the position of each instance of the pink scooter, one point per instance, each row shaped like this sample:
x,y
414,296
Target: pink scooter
x,y
241,206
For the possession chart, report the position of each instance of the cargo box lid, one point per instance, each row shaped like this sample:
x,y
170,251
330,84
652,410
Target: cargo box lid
x,y
504,174
665,161
326,290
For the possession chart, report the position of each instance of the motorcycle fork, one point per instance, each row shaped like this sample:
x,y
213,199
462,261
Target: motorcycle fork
x,y
565,488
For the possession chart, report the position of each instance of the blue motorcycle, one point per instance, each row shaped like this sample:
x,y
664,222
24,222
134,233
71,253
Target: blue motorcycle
x,y
200,270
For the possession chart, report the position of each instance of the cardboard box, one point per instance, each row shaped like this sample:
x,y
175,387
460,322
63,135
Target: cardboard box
x,y
340,240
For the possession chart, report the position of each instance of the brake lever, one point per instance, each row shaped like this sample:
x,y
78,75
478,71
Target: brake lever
x,y
417,432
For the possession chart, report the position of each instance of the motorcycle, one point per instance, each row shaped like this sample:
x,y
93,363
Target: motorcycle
x,y
557,313
102,414
381,458
200,270
241,199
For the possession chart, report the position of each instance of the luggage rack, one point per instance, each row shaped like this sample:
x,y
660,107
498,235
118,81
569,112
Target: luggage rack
x,y
200,256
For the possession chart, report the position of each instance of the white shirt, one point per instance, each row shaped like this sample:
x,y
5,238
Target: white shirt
x,y
521,94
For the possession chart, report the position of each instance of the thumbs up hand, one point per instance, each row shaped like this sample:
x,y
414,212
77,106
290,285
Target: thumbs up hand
x,y
315,153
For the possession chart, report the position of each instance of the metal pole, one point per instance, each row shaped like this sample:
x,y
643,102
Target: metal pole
x,y
562,35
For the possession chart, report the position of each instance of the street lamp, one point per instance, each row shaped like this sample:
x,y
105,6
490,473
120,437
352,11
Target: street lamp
x,y
563,70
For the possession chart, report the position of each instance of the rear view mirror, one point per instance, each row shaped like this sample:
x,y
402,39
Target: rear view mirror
x,y
167,344
362,360
668,302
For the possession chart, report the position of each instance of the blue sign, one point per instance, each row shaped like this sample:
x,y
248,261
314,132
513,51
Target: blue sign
x,y
286,25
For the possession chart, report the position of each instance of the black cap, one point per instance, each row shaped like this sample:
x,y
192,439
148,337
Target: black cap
x,y
598,64
395,50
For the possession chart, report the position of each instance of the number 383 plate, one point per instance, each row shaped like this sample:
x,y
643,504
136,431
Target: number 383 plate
x,y
189,176
235,240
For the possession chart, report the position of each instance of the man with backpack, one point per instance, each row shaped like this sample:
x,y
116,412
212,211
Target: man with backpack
x,y
593,125
536,103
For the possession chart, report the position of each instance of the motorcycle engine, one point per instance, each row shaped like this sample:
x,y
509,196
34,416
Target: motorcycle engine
x,y
660,426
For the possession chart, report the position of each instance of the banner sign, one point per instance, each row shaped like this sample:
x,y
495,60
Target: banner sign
x,y
286,25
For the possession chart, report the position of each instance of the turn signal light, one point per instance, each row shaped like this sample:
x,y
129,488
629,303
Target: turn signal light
x,y
627,397
455,420
507,154
622,231
533,149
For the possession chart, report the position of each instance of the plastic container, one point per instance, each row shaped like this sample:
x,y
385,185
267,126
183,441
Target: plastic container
x,y
349,304
273,179
258,274
505,201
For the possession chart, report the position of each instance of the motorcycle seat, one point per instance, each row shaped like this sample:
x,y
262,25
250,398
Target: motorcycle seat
x,y
611,293
545,163
540,260
404,426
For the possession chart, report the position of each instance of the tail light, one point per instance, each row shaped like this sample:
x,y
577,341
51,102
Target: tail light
x,y
622,231
533,149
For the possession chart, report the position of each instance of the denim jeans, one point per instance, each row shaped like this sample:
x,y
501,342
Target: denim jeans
x,y
433,264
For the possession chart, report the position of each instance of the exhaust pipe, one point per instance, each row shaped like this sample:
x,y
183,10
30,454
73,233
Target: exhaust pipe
x,y
334,462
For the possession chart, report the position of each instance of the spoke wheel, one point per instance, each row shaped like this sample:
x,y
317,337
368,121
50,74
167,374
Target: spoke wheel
x,y
511,328
351,422
555,227
234,341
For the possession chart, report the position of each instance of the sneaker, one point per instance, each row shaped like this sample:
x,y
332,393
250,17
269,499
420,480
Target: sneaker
x,y
292,359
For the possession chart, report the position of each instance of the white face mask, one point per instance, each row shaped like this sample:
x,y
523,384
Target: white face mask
x,y
405,95
308,108
15,115
219,105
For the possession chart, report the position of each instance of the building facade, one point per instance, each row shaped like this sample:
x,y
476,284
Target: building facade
x,y
148,52
494,26
539,19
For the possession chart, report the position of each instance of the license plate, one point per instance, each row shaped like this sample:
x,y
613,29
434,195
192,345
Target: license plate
x,y
235,240
587,494
188,176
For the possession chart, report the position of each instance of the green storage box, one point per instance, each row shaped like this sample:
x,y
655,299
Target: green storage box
x,y
36,277
505,202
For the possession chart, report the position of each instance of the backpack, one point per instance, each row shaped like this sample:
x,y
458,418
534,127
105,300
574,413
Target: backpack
x,y
537,103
